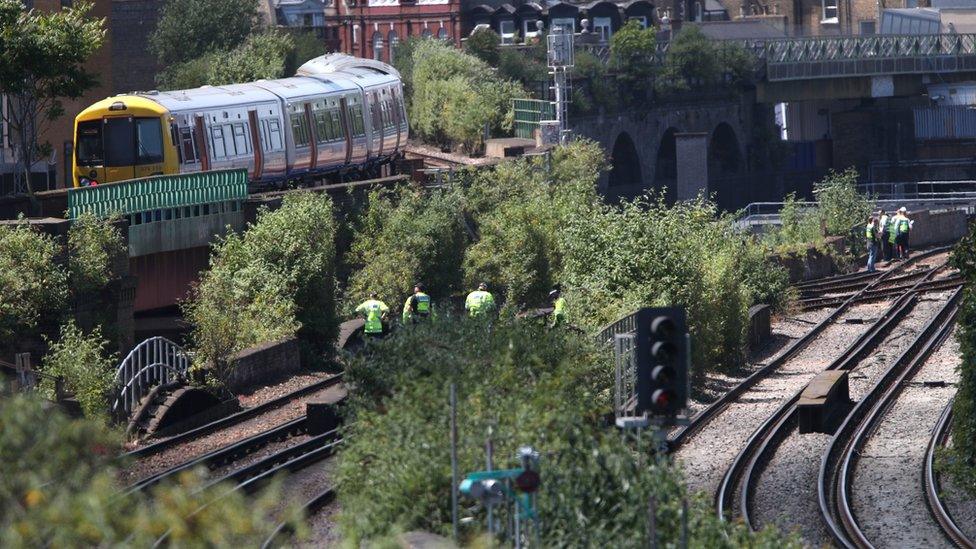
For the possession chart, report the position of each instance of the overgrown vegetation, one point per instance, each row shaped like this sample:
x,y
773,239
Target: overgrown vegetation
x,y
959,459
95,245
407,236
85,364
530,386
694,61
274,280
215,43
33,283
633,57
455,96
839,208
59,489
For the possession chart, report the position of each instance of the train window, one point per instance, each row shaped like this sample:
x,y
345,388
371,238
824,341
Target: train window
x,y
265,141
89,140
187,146
240,140
299,128
217,137
337,124
118,142
322,129
149,140
274,128
356,116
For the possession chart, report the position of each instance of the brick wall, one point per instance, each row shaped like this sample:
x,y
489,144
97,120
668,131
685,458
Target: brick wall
x,y
264,362
936,228
133,67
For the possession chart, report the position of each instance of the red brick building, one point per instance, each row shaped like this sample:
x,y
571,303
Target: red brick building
x,y
371,28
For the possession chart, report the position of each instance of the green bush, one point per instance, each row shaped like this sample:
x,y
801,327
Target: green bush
x,y
33,283
525,65
520,208
407,236
95,246
530,386
275,279
960,458
188,29
59,489
594,89
645,253
87,368
483,44
456,95
695,61
261,56
633,56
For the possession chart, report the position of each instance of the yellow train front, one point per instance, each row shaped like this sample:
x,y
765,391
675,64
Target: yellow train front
x,y
122,138
340,114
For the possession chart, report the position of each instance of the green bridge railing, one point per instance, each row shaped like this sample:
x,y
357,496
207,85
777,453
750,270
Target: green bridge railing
x,y
528,113
158,193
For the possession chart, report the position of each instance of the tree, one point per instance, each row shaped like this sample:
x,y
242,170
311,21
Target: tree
x,y
633,52
187,29
42,58
263,55
695,61
82,361
483,44
59,489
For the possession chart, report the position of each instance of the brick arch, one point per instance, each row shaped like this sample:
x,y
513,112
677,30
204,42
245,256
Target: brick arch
x,y
625,163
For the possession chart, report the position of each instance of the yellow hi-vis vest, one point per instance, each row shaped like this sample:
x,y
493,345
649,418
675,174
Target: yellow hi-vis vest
x,y
373,309
416,305
559,312
479,302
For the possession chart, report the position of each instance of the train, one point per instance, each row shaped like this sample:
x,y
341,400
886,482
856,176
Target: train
x,y
339,114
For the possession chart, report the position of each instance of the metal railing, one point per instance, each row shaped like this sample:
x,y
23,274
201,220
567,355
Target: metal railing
x,y
528,114
768,213
158,193
153,362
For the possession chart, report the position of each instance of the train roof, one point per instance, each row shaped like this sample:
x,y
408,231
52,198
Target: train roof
x,y
208,97
303,86
333,63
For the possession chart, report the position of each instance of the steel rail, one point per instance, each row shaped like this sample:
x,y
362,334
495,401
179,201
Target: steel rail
x,y
232,419
839,460
858,284
746,467
227,454
940,435
704,416
251,478
829,281
281,532
947,283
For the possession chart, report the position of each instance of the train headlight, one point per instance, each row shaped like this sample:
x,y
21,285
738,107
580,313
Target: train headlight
x,y
92,174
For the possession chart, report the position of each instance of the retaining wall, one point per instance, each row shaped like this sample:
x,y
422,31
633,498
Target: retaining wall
x,y
264,362
936,228
813,263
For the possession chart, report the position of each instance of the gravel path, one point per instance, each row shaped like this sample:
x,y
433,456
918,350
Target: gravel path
x,y
182,453
303,485
795,465
324,530
888,474
268,450
707,455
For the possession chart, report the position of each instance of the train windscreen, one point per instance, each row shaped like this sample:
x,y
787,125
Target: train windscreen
x,y
119,142
89,144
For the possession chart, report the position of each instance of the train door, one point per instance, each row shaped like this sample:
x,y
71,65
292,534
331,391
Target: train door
x,y
375,123
117,144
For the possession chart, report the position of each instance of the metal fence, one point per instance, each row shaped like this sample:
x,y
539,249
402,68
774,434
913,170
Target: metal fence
x,y
945,122
528,114
153,362
158,193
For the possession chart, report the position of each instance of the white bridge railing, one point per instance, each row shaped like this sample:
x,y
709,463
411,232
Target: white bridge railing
x,y
153,362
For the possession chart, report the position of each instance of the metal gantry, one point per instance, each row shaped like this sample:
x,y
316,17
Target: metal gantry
x,y
153,362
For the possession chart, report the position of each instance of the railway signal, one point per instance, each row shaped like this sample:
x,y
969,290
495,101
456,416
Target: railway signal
x,y
662,361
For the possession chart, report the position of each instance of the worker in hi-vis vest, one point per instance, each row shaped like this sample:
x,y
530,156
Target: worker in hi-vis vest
x,y
480,302
374,311
417,306
558,308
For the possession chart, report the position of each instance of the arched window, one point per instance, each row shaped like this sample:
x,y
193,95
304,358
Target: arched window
x,y
378,45
392,39
442,33
427,33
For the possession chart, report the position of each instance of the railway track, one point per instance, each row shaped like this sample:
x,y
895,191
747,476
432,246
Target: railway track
x,y
312,510
680,437
933,489
837,469
743,475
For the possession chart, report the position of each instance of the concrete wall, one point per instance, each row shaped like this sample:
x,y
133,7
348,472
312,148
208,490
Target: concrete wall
x,y
181,234
264,362
812,263
692,149
936,228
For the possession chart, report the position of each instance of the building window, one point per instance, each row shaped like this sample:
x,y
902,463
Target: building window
x,y
601,26
867,27
642,20
566,23
67,4
378,45
506,29
530,28
427,33
829,11
392,40
355,34
442,34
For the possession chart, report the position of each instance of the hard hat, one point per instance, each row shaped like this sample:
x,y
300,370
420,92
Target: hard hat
x,y
482,286
902,209
553,293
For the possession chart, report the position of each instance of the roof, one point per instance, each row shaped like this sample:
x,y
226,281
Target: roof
x,y
341,63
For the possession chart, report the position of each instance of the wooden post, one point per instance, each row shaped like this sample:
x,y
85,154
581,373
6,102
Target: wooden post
x,y
25,376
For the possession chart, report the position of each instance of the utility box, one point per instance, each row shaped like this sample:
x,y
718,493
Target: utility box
x,y
823,402
322,414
